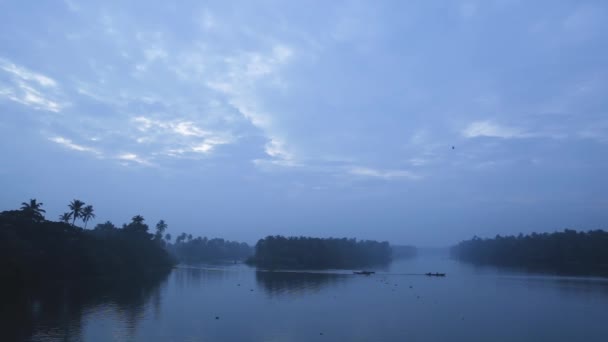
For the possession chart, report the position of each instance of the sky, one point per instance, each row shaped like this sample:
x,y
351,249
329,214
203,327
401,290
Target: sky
x,y
417,122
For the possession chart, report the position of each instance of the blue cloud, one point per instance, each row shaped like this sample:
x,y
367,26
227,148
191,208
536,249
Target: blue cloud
x,y
311,118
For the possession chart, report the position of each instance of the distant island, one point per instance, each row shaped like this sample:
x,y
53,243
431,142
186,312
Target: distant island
x,y
188,249
275,252
34,249
568,252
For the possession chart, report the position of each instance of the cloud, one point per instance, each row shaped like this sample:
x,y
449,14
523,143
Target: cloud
x,y
180,137
29,88
419,161
383,174
239,83
276,149
187,128
183,128
132,157
152,48
490,129
67,143
27,75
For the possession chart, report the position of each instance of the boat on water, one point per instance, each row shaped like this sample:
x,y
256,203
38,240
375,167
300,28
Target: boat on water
x,y
429,274
364,272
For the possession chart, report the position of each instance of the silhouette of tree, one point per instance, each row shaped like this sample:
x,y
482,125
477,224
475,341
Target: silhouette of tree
x,y
181,238
161,227
308,252
137,226
76,206
168,237
189,249
564,252
32,250
107,226
137,219
87,214
33,210
65,217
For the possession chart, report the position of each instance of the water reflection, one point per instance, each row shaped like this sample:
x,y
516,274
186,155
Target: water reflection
x,y
295,283
55,311
566,285
238,303
188,276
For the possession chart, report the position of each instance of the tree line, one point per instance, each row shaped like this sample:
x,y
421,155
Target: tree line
x,y
567,251
200,249
319,253
34,248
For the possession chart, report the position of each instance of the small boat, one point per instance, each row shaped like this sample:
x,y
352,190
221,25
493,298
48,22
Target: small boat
x,y
364,272
435,274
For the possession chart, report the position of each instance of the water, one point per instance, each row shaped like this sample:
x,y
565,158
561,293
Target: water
x,y
236,303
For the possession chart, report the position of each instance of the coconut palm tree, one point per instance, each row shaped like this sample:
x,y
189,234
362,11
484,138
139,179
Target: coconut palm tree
x,y
137,225
65,217
33,209
87,214
76,207
161,226
137,219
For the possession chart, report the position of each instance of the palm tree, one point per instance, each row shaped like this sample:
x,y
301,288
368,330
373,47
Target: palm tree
x,y
137,219
181,238
33,209
137,225
76,207
161,226
87,214
168,237
65,217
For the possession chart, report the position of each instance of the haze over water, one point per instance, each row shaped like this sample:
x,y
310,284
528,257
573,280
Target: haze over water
x,y
470,304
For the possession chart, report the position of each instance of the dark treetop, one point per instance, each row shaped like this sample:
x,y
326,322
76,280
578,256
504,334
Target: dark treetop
x,y
563,252
318,253
200,249
34,249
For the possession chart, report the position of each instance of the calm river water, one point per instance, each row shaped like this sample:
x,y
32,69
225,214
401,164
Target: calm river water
x,y
236,303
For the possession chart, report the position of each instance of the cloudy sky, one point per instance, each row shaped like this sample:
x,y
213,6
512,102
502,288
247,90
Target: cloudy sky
x,y
243,119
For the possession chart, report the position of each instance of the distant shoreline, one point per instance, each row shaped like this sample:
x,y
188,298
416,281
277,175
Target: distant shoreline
x,y
566,253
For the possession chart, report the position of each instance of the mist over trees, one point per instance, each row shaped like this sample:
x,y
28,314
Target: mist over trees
x,y
564,252
317,253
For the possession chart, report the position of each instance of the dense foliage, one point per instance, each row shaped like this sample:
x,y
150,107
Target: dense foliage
x,y
318,253
567,252
32,248
200,249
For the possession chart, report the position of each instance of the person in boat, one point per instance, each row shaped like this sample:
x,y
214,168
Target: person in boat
x,y
364,272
